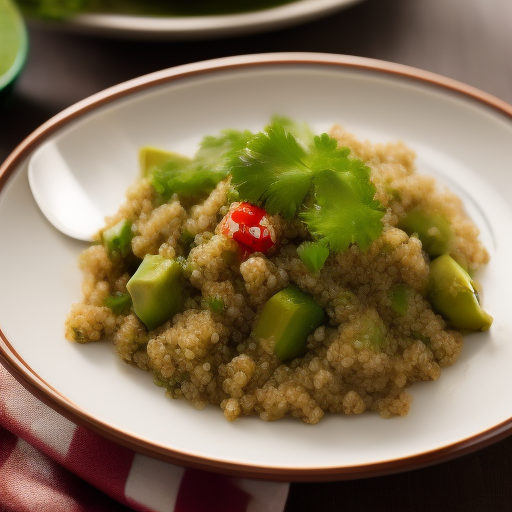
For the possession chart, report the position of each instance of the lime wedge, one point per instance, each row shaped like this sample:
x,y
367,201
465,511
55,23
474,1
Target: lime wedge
x,y
13,43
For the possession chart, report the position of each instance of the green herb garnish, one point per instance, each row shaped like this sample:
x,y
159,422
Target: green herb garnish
x,y
288,171
280,172
273,173
341,216
313,255
211,164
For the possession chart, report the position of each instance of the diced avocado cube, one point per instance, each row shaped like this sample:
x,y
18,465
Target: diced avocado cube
x,y
288,317
117,240
433,229
150,158
156,290
452,293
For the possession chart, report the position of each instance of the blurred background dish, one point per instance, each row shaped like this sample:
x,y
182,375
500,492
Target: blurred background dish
x,y
181,19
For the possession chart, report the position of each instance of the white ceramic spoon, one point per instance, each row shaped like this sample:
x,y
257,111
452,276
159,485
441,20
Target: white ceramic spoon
x,y
75,197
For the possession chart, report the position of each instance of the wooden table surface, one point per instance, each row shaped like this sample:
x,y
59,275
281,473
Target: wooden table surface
x,y
468,40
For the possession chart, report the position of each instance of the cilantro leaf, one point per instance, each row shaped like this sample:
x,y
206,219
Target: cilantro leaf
x,y
220,153
328,156
184,179
272,172
301,131
211,164
341,216
279,172
313,255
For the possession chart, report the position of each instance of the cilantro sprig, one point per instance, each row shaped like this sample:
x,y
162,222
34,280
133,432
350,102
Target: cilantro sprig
x,y
329,190
287,170
212,163
341,216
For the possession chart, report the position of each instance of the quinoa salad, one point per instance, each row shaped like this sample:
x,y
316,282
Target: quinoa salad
x,y
283,273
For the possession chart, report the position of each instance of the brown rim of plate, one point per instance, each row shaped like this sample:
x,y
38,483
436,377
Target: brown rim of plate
x,y
37,386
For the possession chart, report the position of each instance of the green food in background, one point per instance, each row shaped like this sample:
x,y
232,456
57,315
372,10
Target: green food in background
x,y
59,9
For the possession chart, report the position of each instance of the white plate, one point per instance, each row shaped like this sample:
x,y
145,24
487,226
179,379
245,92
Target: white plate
x,y
200,27
461,135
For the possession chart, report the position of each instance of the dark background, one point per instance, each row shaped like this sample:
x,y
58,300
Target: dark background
x,y
468,40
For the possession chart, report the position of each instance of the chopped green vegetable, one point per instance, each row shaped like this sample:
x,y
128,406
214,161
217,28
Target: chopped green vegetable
x,y
215,304
117,239
288,318
313,255
184,179
156,290
79,335
399,299
222,152
119,303
418,336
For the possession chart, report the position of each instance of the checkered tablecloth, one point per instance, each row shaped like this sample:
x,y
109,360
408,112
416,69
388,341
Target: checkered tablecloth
x,y
49,464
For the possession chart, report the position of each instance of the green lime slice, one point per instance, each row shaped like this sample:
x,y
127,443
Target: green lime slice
x,y
13,43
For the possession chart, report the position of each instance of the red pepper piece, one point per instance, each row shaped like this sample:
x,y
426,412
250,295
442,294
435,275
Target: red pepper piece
x,y
250,226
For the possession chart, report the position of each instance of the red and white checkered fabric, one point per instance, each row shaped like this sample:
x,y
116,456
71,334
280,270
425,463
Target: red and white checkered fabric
x,y
49,464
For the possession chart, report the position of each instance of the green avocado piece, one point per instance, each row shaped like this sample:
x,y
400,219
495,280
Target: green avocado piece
x,y
289,317
117,240
452,293
150,158
156,290
433,229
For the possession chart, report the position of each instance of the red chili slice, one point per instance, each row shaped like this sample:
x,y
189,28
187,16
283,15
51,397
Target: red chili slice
x,y
250,226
